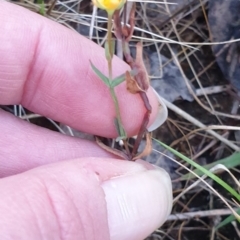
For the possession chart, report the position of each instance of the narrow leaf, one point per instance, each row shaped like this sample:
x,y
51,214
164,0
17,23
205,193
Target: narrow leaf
x,y
148,147
111,150
142,77
227,220
229,162
100,75
202,169
118,80
132,85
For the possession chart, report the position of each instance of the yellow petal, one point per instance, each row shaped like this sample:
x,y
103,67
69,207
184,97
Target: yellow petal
x,y
107,5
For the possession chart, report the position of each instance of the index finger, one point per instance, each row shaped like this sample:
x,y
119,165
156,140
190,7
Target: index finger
x,y
45,67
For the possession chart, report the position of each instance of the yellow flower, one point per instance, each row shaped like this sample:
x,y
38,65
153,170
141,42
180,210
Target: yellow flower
x,y
109,5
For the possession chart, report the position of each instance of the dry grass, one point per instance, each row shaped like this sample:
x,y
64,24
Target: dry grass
x,y
202,130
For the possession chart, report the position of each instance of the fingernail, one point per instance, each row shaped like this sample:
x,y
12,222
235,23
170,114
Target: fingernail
x,y
161,114
137,204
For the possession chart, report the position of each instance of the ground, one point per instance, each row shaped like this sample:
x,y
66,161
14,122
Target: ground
x,y
211,72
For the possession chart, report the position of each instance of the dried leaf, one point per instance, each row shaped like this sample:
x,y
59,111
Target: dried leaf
x,y
111,150
126,31
142,75
131,83
148,147
117,25
142,83
143,128
131,22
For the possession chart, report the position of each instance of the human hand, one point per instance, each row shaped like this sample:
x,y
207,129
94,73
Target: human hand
x,y
54,186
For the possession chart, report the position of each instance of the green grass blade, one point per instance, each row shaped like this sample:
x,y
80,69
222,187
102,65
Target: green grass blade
x,y
203,170
227,220
100,75
229,162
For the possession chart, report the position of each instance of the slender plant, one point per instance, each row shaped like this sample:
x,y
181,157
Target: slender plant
x,y
137,81
111,6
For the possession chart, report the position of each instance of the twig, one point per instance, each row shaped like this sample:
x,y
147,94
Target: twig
x,y
200,214
199,124
211,90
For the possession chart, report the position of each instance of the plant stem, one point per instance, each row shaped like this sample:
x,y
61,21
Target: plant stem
x,y
109,39
120,129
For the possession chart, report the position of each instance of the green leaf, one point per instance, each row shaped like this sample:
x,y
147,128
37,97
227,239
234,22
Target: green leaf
x,y
100,75
203,170
227,220
229,162
118,80
109,50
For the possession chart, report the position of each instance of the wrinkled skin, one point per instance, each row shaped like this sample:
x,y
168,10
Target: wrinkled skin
x,y
57,187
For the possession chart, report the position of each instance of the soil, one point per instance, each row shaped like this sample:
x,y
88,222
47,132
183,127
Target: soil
x,y
205,64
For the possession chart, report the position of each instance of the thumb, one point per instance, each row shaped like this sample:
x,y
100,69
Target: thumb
x,y
85,199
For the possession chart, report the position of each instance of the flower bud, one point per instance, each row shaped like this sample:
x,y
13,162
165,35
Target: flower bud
x,y
109,5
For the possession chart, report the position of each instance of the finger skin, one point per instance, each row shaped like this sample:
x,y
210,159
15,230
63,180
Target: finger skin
x,y
45,67
60,201
24,146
